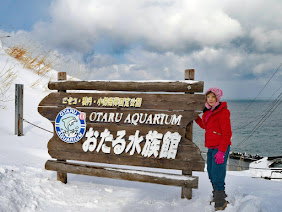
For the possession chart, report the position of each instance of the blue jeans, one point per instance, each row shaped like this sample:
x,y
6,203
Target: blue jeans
x,y
217,172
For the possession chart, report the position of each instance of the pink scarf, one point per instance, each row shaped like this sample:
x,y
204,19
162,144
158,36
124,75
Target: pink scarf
x,y
209,112
209,107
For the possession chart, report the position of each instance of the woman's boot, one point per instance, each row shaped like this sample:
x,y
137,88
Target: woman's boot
x,y
213,197
219,199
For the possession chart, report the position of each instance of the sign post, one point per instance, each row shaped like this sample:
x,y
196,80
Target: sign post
x,y
19,109
62,176
187,192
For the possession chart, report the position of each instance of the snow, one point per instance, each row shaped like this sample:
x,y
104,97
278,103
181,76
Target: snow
x,y
155,174
25,185
182,81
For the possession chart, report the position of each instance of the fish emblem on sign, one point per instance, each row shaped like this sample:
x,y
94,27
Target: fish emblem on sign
x,y
70,125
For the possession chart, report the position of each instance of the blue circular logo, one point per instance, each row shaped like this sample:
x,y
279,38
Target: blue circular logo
x,y
70,125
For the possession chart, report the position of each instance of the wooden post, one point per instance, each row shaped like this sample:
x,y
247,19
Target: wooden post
x,y
61,176
189,74
62,76
187,192
19,109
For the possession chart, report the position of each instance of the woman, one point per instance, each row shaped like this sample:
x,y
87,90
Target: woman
x,y
216,122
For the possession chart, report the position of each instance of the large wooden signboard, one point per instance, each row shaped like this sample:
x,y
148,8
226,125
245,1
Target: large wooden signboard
x,y
125,128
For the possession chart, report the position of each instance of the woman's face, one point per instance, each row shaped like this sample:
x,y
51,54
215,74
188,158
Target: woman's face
x,y
211,99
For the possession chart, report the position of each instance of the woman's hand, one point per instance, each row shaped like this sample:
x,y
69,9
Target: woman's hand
x,y
219,157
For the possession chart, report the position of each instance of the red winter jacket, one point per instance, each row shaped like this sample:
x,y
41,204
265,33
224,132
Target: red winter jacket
x,y
218,127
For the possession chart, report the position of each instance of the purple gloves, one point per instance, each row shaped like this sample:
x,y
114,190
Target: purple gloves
x,y
219,157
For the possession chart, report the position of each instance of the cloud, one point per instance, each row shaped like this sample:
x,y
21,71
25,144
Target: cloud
x,y
211,64
229,43
267,41
159,25
255,13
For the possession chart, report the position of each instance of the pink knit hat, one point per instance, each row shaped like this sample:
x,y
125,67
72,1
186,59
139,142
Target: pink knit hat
x,y
218,94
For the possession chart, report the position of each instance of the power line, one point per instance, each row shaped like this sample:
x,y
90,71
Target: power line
x,y
266,109
264,86
267,114
265,103
272,96
273,107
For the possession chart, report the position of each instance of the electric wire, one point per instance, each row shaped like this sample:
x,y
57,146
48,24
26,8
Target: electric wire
x,y
272,96
273,107
269,112
265,103
266,109
264,86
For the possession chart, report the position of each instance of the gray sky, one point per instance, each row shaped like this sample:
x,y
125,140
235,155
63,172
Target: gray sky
x,y
234,45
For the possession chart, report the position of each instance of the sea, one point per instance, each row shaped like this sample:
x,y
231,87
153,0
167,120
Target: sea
x,y
256,128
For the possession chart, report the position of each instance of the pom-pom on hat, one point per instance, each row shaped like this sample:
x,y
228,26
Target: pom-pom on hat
x,y
217,92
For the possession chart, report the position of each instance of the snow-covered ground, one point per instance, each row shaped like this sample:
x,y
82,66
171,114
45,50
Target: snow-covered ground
x,y
26,186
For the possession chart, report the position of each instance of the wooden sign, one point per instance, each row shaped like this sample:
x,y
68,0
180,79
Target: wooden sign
x,y
136,129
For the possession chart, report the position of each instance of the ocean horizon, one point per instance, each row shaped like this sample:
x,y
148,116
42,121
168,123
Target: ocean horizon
x,y
256,128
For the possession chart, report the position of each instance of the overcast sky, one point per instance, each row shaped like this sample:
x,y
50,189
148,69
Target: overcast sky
x,y
234,45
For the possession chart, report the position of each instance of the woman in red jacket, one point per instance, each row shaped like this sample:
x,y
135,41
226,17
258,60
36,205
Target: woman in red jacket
x,y
216,122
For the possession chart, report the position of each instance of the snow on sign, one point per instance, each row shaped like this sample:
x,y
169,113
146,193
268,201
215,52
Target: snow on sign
x,y
137,128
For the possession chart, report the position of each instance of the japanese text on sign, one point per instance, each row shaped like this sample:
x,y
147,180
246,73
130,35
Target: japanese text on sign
x,y
156,144
104,101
